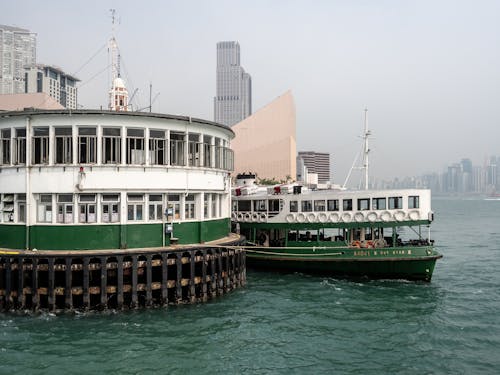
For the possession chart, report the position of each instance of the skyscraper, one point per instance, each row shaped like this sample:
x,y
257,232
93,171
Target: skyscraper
x,y
17,49
233,100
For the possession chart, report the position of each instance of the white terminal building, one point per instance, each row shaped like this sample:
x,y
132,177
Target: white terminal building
x,y
94,179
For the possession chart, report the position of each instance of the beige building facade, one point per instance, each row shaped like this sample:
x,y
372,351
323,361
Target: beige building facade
x,y
265,142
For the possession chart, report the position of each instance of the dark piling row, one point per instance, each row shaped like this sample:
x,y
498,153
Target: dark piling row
x,y
66,282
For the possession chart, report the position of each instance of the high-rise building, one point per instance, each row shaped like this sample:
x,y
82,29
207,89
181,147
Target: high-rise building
x,y
233,100
17,49
317,162
53,81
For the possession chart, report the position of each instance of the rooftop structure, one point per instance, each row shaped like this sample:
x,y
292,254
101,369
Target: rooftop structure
x,y
18,102
316,162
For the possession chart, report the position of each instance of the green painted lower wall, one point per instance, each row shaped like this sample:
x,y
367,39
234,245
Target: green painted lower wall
x,y
13,236
94,237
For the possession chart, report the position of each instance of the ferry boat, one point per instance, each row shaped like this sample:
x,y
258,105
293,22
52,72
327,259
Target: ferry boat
x,y
373,233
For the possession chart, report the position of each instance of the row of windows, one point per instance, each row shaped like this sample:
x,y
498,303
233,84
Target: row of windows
x,y
162,147
363,204
105,208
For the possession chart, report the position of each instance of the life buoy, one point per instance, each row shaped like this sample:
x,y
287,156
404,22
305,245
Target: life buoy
x,y
359,217
311,218
248,217
385,216
356,244
399,215
414,215
301,217
322,217
334,218
370,244
255,217
372,216
263,218
240,216
290,218
346,217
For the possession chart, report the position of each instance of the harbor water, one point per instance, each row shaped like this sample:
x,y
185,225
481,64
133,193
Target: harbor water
x,y
296,323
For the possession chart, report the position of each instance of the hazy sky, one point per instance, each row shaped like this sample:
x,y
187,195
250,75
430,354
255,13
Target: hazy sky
x,y
428,71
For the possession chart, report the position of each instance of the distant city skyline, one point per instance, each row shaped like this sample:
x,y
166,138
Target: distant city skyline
x,y
233,98
427,71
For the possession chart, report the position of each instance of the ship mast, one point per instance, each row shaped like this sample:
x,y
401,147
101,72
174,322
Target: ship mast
x,y
366,150
365,163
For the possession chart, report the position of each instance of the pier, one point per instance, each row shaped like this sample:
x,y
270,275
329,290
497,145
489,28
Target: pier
x,y
58,281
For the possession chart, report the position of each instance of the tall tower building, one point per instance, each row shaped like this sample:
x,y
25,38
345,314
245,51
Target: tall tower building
x,y
53,81
17,49
233,100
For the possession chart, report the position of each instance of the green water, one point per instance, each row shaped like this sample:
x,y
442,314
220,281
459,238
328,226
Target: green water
x,y
297,324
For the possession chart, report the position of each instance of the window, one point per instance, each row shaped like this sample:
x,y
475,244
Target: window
x,y
111,146
64,145
244,206
413,201
395,203
87,145
294,206
207,151
135,146
87,208
189,207
274,205
44,208
177,148
8,207
65,208
21,208
110,208
260,205
319,205
218,153
333,204
174,205
155,207
40,146
20,145
379,203
214,205
194,150
135,207
306,206
206,205
347,204
5,146
363,204
157,154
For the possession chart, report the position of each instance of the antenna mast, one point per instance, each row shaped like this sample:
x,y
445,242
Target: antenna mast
x,y
118,94
366,149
